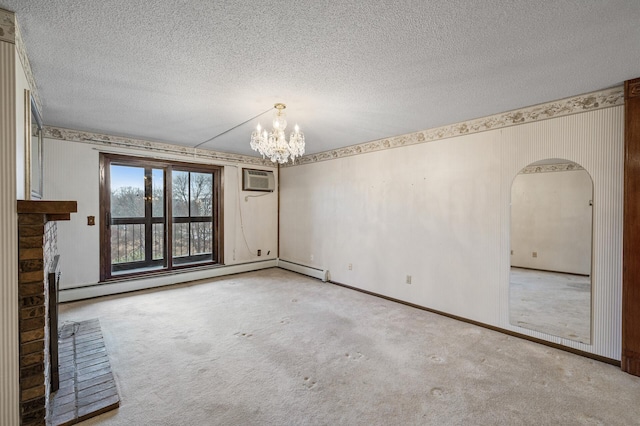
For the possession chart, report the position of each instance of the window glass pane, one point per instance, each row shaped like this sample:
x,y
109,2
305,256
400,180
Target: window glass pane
x,y
127,243
158,241
180,193
127,191
201,194
157,200
201,242
180,239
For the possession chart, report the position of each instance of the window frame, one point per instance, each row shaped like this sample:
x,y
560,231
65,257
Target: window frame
x,y
167,264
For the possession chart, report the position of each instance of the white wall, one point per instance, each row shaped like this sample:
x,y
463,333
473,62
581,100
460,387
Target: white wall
x,y
71,172
439,211
551,216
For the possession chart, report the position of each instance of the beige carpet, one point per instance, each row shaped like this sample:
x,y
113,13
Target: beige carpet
x,y
277,348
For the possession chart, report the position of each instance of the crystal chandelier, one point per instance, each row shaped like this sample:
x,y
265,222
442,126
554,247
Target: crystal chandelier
x,y
274,144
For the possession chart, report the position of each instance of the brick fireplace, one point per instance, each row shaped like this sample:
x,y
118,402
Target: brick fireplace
x,y
37,248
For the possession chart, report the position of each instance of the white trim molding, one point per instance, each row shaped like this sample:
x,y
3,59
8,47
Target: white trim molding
x,y
588,102
152,148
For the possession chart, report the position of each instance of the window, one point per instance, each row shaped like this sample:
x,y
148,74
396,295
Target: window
x,y
137,197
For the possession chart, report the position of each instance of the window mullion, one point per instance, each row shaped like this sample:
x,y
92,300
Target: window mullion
x,y
189,211
168,197
148,214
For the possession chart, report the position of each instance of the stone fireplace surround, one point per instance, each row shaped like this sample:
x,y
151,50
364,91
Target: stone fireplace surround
x,y
37,247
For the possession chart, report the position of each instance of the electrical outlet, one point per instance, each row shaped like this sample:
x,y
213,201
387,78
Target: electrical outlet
x,y
91,220
408,279
534,254
259,252
350,267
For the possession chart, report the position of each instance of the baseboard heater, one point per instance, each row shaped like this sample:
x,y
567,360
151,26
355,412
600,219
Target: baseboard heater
x,y
175,277
321,274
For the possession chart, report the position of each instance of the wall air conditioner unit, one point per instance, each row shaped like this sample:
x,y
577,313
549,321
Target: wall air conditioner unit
x,y
258,180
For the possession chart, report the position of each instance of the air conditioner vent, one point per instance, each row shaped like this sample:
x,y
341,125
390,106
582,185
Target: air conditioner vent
x,y
258,180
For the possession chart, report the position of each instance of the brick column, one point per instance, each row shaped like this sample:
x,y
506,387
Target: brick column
x,y
33,298
36,247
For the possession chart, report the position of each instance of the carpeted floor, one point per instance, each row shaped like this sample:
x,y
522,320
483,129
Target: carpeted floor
x,y
552,302
277,348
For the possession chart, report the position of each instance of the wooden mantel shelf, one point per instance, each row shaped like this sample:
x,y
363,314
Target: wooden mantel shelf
x,y
55,210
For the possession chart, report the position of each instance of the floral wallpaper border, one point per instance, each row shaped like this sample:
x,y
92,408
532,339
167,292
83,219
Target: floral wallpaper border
x,y
588,102
24,58
550,168
7,26
154,147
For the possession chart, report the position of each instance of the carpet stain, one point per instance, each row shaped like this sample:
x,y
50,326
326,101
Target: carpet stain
x,y
309,383
438,393
245,335
356,357
436,359
294,300
285,320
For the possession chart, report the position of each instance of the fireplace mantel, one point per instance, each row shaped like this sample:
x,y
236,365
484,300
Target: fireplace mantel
x,y
55,210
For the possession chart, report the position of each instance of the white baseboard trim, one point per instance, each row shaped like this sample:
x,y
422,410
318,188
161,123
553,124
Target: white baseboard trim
x,y
321,274
124,286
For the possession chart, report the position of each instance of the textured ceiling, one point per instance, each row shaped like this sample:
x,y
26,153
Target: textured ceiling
x,y
349,71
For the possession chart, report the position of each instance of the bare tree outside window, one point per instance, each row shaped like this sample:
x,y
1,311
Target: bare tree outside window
x,y
192,212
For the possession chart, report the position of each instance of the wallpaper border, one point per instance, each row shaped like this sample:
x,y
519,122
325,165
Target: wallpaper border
x,y
550,168
583,103
26,65
154,147
7,26
587,102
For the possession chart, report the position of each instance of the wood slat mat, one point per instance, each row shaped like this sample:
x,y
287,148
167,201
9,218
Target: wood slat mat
x,y
87,387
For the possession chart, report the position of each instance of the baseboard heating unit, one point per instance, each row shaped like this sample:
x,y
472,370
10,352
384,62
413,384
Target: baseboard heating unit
x,y
321,274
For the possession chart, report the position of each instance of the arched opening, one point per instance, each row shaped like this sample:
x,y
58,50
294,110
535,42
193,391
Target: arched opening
x,y
551,245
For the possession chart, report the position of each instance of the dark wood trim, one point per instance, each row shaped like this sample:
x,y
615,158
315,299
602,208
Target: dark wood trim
x,y
631,236
218,220
59,216
487,326
168,214
47,207
168,167
105,217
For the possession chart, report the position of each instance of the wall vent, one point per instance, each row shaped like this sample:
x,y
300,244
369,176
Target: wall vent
x,y
258,180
